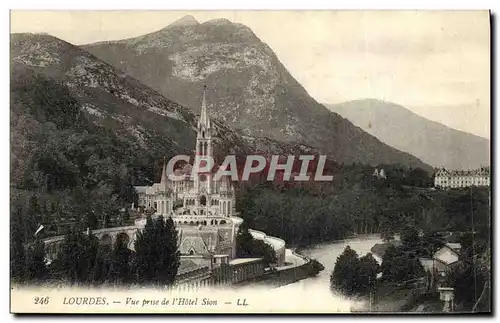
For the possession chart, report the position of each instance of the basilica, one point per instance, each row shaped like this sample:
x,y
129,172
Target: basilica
x,y
201,207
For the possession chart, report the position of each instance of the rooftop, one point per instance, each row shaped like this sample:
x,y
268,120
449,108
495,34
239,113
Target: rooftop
x,y
454,172
239,261
454,246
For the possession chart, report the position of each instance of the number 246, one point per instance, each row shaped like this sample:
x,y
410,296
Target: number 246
x,y
41,300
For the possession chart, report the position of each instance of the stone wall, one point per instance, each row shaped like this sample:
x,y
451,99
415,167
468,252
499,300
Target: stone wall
x,y
276,243
287,275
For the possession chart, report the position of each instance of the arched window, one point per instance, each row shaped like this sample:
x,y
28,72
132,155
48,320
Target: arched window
x,y
106,240
203,199
122,240
223,222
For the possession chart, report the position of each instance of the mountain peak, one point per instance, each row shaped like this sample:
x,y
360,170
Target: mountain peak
x,y
252,90
187,20
219,21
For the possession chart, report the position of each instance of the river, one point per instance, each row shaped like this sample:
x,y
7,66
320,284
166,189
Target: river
x,y
316,290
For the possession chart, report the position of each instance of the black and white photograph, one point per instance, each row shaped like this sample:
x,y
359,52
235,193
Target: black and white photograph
x,y
250,162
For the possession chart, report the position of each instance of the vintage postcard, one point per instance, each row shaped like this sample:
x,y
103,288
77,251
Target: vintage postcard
x,y
250,162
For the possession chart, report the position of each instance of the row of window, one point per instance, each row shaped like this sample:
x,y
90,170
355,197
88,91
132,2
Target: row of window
x,y
165,208
462,182
197,223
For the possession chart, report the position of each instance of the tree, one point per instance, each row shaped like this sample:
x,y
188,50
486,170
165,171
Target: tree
x,y
471,246
90,220
469,276
31,218
400,266
120,270
410,238
36,269
145,261
157,256
387,235
431,242
78,255
17,251
468,283
248,247
244,242
101,272
344,276
315,267
262,250
418,177
168,251
367,273
126,215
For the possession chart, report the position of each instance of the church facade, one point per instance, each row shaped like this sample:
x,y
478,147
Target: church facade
x,y
200,206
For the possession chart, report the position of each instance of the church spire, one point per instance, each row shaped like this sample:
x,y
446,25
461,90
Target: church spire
x,y
204,117
164,172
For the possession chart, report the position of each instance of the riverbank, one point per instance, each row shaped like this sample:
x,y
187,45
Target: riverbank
x,y
367,236
297,267
386,297
391,297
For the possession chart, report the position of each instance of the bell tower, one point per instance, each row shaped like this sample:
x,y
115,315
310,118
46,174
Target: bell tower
x,y
203,181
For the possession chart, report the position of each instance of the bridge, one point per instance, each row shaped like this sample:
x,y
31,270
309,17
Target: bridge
x,y
127,235
107,237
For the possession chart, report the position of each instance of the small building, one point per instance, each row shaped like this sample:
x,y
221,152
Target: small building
x,y
443,260
379,174
447,257
446,294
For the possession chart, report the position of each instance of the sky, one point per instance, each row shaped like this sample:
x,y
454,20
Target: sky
x,y
435,63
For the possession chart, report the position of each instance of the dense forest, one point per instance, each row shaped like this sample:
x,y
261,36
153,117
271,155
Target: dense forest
x,y
65,169
358,203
